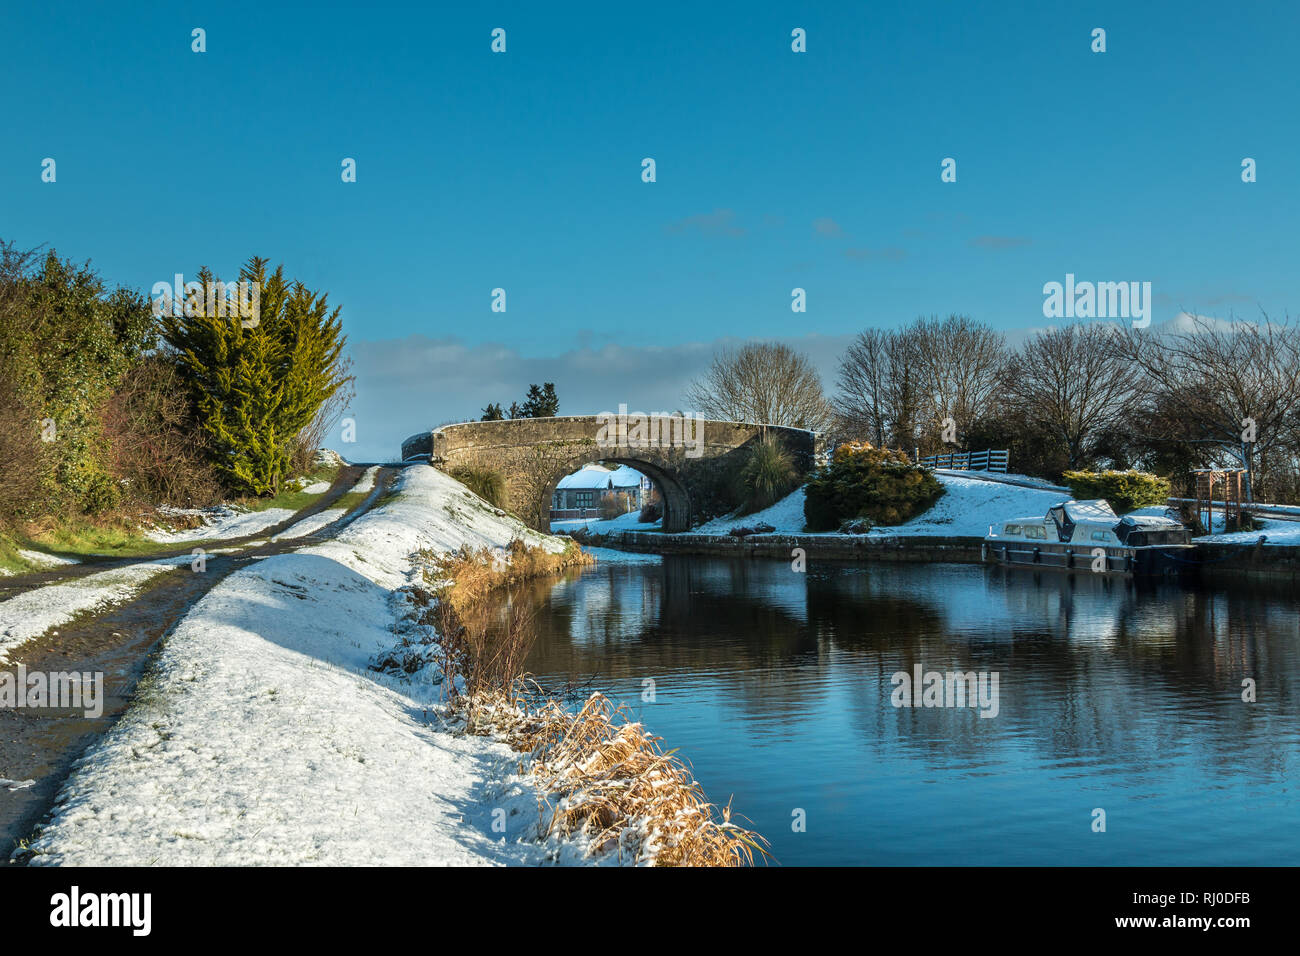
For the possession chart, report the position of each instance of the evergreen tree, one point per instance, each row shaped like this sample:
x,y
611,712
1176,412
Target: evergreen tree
x,y
541,402
257,382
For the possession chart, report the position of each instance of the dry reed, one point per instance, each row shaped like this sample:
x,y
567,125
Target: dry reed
x,y
606,779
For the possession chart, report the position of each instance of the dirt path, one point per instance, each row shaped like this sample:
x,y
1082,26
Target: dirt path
x,y
347,477
43,744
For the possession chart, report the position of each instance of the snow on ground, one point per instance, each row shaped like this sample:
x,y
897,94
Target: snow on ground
x,y
1275,532
313,523
968,507
971,505
328,457
34,612
310,525
222,523
367,481
786,516
626,522
261,736
1010,478
43,561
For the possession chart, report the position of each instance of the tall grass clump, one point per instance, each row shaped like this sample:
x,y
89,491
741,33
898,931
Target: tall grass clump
x,y
612,783
487,483
608,781
484,651
767,475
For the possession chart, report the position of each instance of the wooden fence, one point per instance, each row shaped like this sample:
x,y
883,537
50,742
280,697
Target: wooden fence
x,y
969,461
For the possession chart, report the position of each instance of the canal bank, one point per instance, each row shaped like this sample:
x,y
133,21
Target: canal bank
x,y
1209,562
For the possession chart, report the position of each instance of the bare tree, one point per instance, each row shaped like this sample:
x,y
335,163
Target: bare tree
x,y
1073,382
961,364
763,383
1235,384
898,387
882,388
862,405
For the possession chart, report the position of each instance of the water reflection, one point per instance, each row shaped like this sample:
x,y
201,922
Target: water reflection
x,y
1113,693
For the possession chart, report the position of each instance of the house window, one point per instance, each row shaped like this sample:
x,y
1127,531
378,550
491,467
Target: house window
x,y
586,499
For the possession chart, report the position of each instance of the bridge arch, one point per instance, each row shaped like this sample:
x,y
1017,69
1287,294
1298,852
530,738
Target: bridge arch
x,y
676,498
533,454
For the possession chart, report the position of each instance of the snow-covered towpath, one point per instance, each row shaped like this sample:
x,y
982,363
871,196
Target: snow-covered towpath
x,y
261,736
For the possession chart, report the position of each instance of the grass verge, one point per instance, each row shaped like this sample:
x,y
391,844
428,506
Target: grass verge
x,y
295,499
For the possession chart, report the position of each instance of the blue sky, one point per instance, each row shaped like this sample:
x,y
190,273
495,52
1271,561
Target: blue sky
x,y
775,170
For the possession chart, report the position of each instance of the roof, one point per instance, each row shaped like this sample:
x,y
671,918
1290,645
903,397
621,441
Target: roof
x,y
598,476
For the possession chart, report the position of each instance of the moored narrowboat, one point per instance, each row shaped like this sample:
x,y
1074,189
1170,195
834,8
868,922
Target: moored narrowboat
x,y
1089,536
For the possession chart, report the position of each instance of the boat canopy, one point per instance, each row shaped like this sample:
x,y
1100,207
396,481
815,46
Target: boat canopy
x,y
1096,511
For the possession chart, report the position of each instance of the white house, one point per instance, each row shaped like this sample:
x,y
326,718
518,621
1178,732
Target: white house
x,y
582,491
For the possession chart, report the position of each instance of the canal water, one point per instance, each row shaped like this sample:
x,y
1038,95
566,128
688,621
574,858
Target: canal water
x,y
1114,697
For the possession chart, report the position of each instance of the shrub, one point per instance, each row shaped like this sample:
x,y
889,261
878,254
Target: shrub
x,y
1123,490
157,448
66,341
485,651
767,475
615,505
650,511
877,484
488,484
21,460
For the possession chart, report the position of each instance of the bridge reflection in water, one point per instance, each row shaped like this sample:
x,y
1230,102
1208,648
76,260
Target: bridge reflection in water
x,y
1114,694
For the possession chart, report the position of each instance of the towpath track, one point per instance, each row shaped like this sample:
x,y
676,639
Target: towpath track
x,y
42,745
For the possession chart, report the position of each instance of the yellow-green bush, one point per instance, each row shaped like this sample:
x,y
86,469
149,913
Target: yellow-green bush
x,y
1123,490
865,482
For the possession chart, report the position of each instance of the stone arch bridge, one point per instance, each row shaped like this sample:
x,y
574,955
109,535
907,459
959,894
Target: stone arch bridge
x,y
690,460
